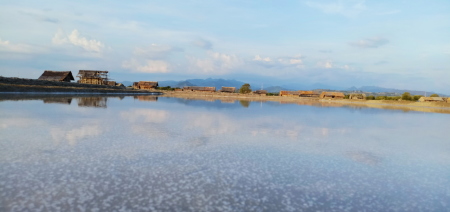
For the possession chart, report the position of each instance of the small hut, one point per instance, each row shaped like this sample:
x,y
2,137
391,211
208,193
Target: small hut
x,y
431,99
147,85
61,76
332,95
93,77
228,89
308,94
289,93
260,92
199,89
357,96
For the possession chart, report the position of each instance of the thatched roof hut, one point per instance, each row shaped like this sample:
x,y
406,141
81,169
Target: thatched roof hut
x,y
308,94
431,99
289,93
228,89
198,88
61,76
93,77
357,96
145,85
332,95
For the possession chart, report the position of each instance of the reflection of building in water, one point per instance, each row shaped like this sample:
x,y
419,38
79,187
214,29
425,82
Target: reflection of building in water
x,y
147,98
58,100
92,102
228,101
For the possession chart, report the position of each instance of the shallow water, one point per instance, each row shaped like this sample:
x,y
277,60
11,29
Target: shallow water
x,y
168,154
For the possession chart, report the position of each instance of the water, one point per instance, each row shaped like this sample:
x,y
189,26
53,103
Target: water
x,y
145,153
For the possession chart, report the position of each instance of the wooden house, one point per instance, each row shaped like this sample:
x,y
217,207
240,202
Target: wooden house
x,y
93,77
289,93
199,89
228,89
61,76
111,83
431,99
147,85
332,95
260,92
357,96
308,94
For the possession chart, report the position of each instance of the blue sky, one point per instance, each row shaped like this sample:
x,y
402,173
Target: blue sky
x,y
395,44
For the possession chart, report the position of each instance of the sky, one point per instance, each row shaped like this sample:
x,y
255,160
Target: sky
x,y
345,43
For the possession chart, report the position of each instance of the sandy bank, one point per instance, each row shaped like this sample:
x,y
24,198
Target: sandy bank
x,y
434,107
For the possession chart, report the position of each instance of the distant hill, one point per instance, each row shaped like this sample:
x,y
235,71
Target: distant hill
x,y
376,89
275,89
218,83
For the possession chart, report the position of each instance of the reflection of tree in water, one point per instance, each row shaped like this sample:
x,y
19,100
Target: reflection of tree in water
x,y
244,103
92,102
57,100
147,98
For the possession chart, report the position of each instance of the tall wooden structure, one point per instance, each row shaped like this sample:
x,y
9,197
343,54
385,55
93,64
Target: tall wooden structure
x,y
93,77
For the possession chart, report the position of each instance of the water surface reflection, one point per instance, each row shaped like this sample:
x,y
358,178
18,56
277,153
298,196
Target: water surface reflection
x,y
182,154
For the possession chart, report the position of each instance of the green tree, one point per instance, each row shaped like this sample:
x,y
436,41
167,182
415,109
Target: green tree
x,y
416,97
370,98
347,96
434,95
245,88
406,96
381,98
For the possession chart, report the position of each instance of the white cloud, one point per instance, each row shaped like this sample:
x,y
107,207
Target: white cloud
x,y
155,51
202,43
349,8
259,58
145,115
148,66
325,64
374,42
280,62
77,40
215,62
7,46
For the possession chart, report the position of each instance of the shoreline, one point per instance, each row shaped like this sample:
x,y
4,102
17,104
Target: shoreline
x,y
433,107
30,87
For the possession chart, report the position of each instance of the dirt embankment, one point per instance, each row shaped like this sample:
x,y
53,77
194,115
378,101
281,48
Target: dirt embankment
x,y
11,84
436,107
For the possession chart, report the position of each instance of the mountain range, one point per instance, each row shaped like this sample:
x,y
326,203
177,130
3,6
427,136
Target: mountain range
x,y
218,83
